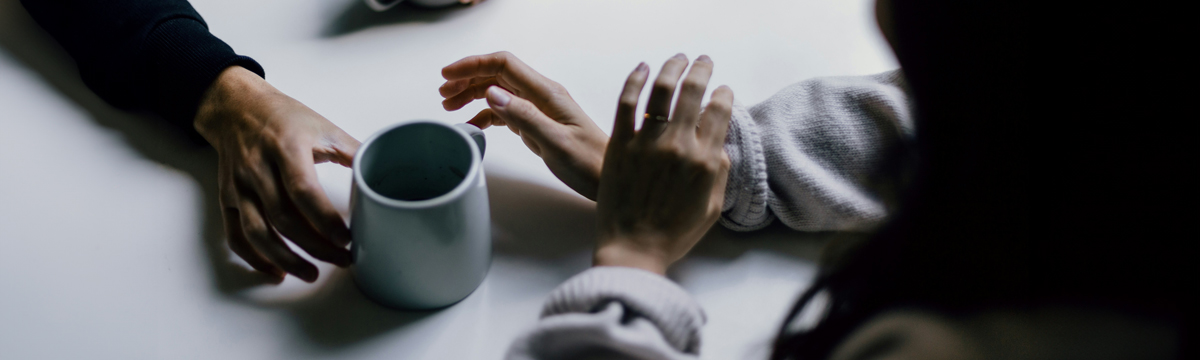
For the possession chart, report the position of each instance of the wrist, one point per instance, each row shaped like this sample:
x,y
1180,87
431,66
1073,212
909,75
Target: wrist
x,y
621,253
234,86
592,161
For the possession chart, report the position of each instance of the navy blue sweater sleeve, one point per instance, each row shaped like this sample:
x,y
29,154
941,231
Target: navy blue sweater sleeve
x,y
153,55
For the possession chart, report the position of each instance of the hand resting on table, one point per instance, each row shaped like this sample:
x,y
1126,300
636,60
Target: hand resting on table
x,y
267,144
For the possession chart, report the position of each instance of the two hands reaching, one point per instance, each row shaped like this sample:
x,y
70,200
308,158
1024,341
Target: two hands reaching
x,y
658,189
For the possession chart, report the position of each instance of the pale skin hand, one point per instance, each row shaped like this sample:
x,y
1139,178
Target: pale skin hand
x,y
267,144
662,187
534,107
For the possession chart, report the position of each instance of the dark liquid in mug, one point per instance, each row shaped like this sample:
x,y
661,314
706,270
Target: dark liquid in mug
x,y
416,182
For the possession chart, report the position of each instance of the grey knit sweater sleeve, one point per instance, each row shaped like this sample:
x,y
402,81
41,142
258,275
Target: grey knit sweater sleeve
x,y
612,312
812,154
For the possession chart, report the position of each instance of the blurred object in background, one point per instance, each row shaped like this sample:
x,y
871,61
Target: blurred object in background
x,y
381,5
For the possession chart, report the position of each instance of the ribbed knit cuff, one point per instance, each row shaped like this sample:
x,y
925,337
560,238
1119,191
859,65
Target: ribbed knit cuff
x,y
182,60
747,191
647,294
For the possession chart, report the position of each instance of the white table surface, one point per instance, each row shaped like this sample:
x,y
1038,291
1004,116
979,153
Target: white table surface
x,y
110,239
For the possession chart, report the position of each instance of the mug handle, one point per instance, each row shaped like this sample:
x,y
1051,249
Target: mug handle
x,y
475,133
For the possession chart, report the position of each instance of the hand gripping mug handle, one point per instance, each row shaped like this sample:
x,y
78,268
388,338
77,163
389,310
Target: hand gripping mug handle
x,y
475,133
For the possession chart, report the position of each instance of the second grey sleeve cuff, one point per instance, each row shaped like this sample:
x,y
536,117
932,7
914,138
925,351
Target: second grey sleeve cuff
x,y
746,192
651,296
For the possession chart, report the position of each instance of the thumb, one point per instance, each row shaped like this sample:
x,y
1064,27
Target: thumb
x,y
519,113
344,148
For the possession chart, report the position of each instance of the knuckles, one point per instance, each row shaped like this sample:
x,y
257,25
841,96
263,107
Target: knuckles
x,y
664,85
281,220
502,59
555,88
628,102
713,167
720,106
723,163
670,152
254,229
694,85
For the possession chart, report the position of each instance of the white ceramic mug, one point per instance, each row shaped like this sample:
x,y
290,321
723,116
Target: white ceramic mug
x,y
420,220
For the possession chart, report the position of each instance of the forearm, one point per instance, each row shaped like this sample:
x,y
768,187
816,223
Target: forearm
x,y
147,55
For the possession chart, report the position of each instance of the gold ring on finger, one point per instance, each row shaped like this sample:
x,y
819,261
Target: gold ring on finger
x,y
658,118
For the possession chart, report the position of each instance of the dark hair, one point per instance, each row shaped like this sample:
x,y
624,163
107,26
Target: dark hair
x,y
961,241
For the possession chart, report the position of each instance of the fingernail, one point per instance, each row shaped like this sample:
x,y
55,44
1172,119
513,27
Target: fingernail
x,y
704,58
680,56
498,97
641,67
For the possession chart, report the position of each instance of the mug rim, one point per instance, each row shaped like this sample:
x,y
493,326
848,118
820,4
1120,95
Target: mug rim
x,y
416,204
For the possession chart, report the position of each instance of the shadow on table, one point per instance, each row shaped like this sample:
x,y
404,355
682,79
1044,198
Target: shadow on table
x,y
25,41
340,315
528,220
724,243
357,16
531,220
546,224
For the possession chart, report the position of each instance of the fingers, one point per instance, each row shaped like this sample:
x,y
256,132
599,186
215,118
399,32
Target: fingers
x,y
716,117
627,105
344,149
259,234
240,246
519,113
486,118
234,234
282,214
659,104
691,95
298,175
501,64
453,87
474,90
340,150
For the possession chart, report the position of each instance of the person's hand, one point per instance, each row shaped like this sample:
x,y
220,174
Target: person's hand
x,y
538,109
267,144
662,187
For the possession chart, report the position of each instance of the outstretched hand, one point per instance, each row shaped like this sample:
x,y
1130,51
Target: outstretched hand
x,y
662,187
534,107
267,144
